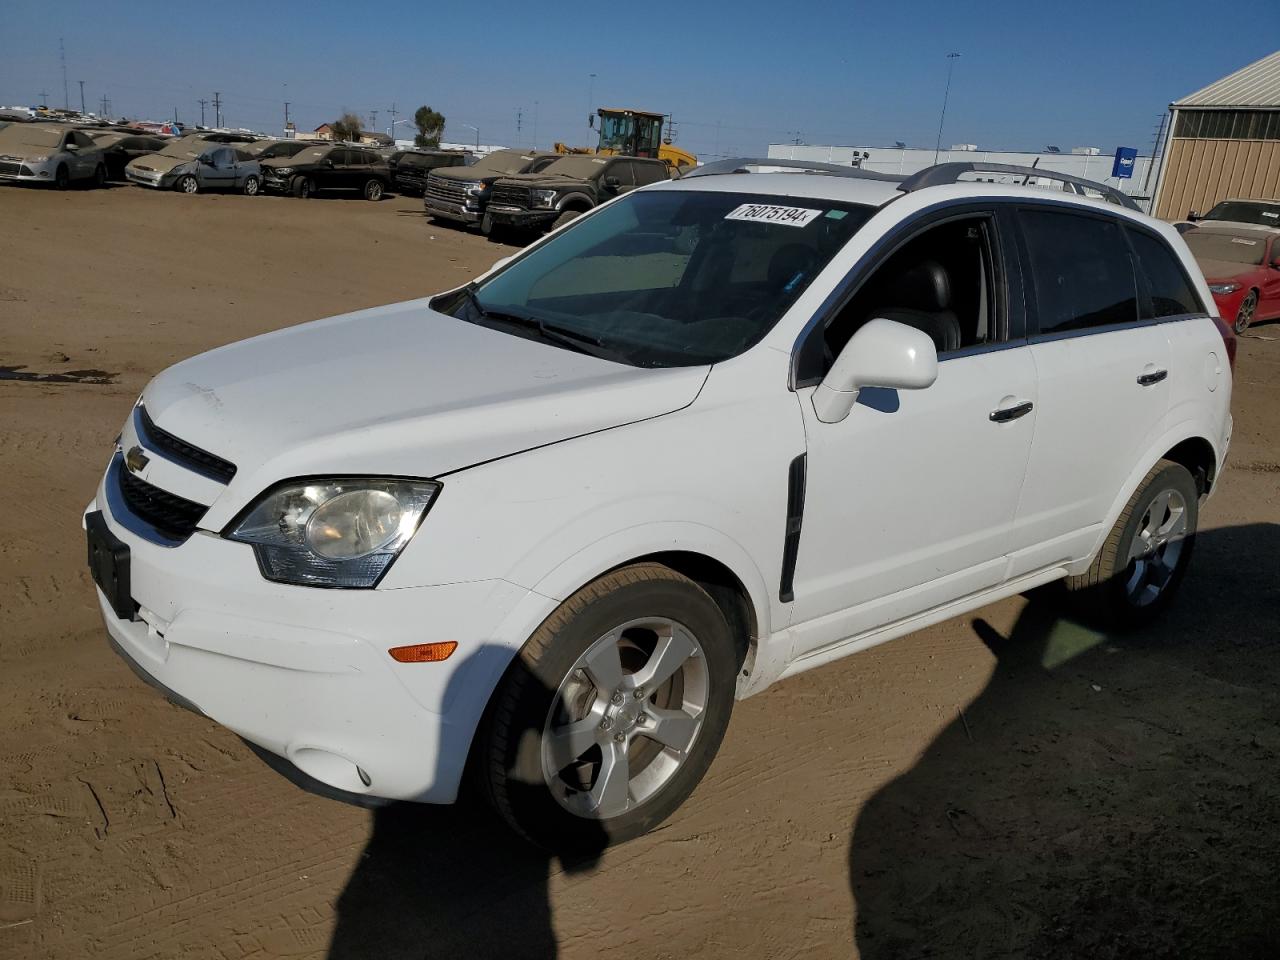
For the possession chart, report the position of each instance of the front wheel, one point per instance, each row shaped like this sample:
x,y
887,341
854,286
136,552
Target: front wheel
x,y
251,186
1143,560
99,176
567,217
1244,316
62,178
611,713
486,224
373,189
188,184
303,188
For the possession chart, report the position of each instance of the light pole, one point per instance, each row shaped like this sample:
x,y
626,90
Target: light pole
x,y
951,65
591,98
391,130
476,129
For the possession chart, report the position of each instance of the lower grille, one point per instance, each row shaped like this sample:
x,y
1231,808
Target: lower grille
x,y
174,516
9,168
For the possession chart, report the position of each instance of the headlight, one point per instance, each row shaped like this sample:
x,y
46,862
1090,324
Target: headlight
x,y
284,171
543,198
333,533
43,159
1221,288
475,188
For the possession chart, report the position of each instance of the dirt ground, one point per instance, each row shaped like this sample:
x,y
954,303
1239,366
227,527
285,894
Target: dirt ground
x,y
1008,784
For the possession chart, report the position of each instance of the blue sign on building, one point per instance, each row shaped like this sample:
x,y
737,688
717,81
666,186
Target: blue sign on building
x,y
1125,159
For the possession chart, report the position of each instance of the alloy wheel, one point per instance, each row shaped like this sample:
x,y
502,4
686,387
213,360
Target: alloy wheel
x,y
625,717
1247,309
1156,548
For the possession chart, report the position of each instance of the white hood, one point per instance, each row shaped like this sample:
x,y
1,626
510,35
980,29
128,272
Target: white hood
x,y
394,391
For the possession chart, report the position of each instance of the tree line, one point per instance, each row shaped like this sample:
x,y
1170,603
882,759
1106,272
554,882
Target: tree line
x,y
430,124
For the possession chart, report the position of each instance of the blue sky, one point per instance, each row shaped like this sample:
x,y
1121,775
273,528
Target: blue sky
x,y
735,76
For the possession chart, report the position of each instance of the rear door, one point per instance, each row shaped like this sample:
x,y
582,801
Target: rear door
x,y
1103,367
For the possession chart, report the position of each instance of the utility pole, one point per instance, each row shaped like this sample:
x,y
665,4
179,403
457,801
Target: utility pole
x,y
591,98
535,124
62,54
81,82
519,121
391,130
951,65
286,117
105,106
202,104
217,109
44,98
373,119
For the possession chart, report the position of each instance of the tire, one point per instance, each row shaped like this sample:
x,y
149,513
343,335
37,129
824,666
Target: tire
x,y
486,224
1142,562
555,683
1244,316
62,178
567,217
303,188
99,177
251,186
187,183
373,189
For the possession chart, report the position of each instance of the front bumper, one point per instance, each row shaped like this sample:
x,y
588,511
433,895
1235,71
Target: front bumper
x,y
304,673
521,217
23,171
468,212
276,184
159,181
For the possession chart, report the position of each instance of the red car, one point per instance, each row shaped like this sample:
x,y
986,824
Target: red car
x,y
1242,266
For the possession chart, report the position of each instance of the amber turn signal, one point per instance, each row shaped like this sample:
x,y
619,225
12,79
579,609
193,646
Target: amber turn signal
x,y
424,652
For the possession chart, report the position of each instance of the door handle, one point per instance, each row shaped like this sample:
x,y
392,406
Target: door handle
x,y
1005,414
1155,376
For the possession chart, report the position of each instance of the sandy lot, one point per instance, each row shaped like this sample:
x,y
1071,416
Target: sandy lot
x,y
1005,785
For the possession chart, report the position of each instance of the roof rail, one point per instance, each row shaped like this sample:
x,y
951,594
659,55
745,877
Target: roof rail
x,y
742,165
944,173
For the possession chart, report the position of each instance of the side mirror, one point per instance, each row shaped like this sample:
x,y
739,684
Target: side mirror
x,y
73,147
1193,216
329,164
881,354
612,182
1275,264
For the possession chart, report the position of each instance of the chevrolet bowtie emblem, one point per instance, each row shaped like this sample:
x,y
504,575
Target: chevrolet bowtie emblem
x,y
135,459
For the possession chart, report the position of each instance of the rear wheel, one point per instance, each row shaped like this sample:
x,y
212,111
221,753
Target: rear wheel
x,y
612,712
1143,560
373,189
1244,316
187,183
251,186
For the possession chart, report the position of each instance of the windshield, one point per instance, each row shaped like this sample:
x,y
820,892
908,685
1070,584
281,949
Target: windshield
x,y
311,154
31,136
1225,247
503,162
190,149
579,167
670,278
1265,215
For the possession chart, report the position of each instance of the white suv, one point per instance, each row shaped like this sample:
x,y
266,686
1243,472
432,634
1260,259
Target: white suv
x,y
545,528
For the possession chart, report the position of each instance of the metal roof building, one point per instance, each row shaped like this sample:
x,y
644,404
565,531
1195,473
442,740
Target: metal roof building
x,y
1223,141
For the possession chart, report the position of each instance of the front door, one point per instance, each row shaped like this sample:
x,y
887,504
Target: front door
x,y
220,172
909,501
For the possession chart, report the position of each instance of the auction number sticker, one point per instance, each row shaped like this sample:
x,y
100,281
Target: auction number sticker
x,y
767,213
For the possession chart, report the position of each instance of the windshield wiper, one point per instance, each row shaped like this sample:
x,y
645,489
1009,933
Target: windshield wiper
x,y
552,332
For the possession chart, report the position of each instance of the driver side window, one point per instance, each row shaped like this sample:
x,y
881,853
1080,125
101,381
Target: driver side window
x,y
944,281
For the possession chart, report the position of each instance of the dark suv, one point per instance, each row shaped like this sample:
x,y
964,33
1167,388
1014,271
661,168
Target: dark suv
x,y
461,193
410,168
323,168
567,189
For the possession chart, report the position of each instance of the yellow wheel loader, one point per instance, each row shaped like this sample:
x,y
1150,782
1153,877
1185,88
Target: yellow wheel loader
x,y
634,133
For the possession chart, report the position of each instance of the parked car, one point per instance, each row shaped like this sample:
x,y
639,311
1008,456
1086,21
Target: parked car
x,y
1262,213
568,188
262,150
409,168
218,136
323,168
460,194
120,148
50,153
544,528
1242,266
192,166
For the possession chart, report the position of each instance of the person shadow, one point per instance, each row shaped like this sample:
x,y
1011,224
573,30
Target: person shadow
x,y
452,882
1104,796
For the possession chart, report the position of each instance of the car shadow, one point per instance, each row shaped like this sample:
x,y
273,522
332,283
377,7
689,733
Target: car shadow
x,y
450,882
1104,796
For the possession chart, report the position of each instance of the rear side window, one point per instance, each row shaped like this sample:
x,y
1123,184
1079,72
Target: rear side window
x,y
647,173
1082,269
1169,291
